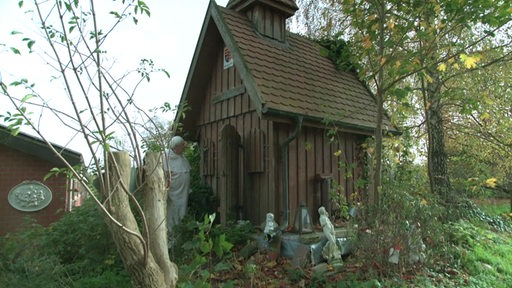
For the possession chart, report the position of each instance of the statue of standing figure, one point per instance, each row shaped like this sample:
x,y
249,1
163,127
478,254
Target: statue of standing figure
x,y
331,252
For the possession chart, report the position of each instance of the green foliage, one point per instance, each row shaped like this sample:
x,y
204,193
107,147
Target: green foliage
x,y
338,50
478,143
201,249
358,284
491,207
201,201
340,205
485,255
15,121
295,275
24,263
76,251
238,233
317,280
406,216
468,210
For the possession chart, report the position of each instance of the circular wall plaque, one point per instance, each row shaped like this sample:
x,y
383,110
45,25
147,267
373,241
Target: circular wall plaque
x,y
30,196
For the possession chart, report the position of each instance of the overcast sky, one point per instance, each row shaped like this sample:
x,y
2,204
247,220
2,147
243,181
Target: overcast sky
x,y
168,37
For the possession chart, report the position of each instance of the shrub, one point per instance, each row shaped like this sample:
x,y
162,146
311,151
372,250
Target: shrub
x,y
76,249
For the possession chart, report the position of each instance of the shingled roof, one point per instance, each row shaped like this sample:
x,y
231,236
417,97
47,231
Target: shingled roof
x,y
291,77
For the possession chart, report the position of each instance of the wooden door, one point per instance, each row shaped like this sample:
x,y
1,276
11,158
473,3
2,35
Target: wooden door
x,y
230,172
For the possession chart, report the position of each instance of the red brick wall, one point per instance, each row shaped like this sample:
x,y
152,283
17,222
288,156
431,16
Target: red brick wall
x,y
16,167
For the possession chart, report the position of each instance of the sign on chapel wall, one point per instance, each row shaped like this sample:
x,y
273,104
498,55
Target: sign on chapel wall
x,y
228,58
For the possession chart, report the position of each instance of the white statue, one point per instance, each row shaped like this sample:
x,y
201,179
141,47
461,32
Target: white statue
x,y
416,245
330,251
177,170
271,227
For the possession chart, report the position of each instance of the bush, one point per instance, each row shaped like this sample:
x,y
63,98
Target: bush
x,y
75,250
408,219
201,201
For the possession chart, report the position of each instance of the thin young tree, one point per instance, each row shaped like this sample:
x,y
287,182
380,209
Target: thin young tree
x,y
102,109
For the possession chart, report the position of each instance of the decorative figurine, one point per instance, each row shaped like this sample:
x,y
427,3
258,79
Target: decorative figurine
x,y
271,227
331,252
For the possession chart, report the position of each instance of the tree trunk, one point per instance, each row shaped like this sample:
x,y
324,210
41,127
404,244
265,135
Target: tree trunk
x,y
138,261
437,157
155,203
377,161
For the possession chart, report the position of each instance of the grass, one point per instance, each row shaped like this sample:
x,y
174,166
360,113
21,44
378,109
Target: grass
x,y
488,262
495,206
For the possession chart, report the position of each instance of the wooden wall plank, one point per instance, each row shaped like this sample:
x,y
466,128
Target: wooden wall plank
x,y
255,204
311,191
350,163
302,177
293,174
342,167
269,168
266,24
318,147
278,138
326,152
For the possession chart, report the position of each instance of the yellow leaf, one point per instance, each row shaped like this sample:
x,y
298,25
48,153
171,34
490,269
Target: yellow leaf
x,y
383,61
423,201
491,182
337,153
429,79
397,64
469,61
427,105
391,24
437,8
456,66
441,67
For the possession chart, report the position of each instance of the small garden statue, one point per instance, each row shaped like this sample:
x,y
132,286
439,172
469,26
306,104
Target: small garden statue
x,y
271,243
416,245
331,252
271,227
